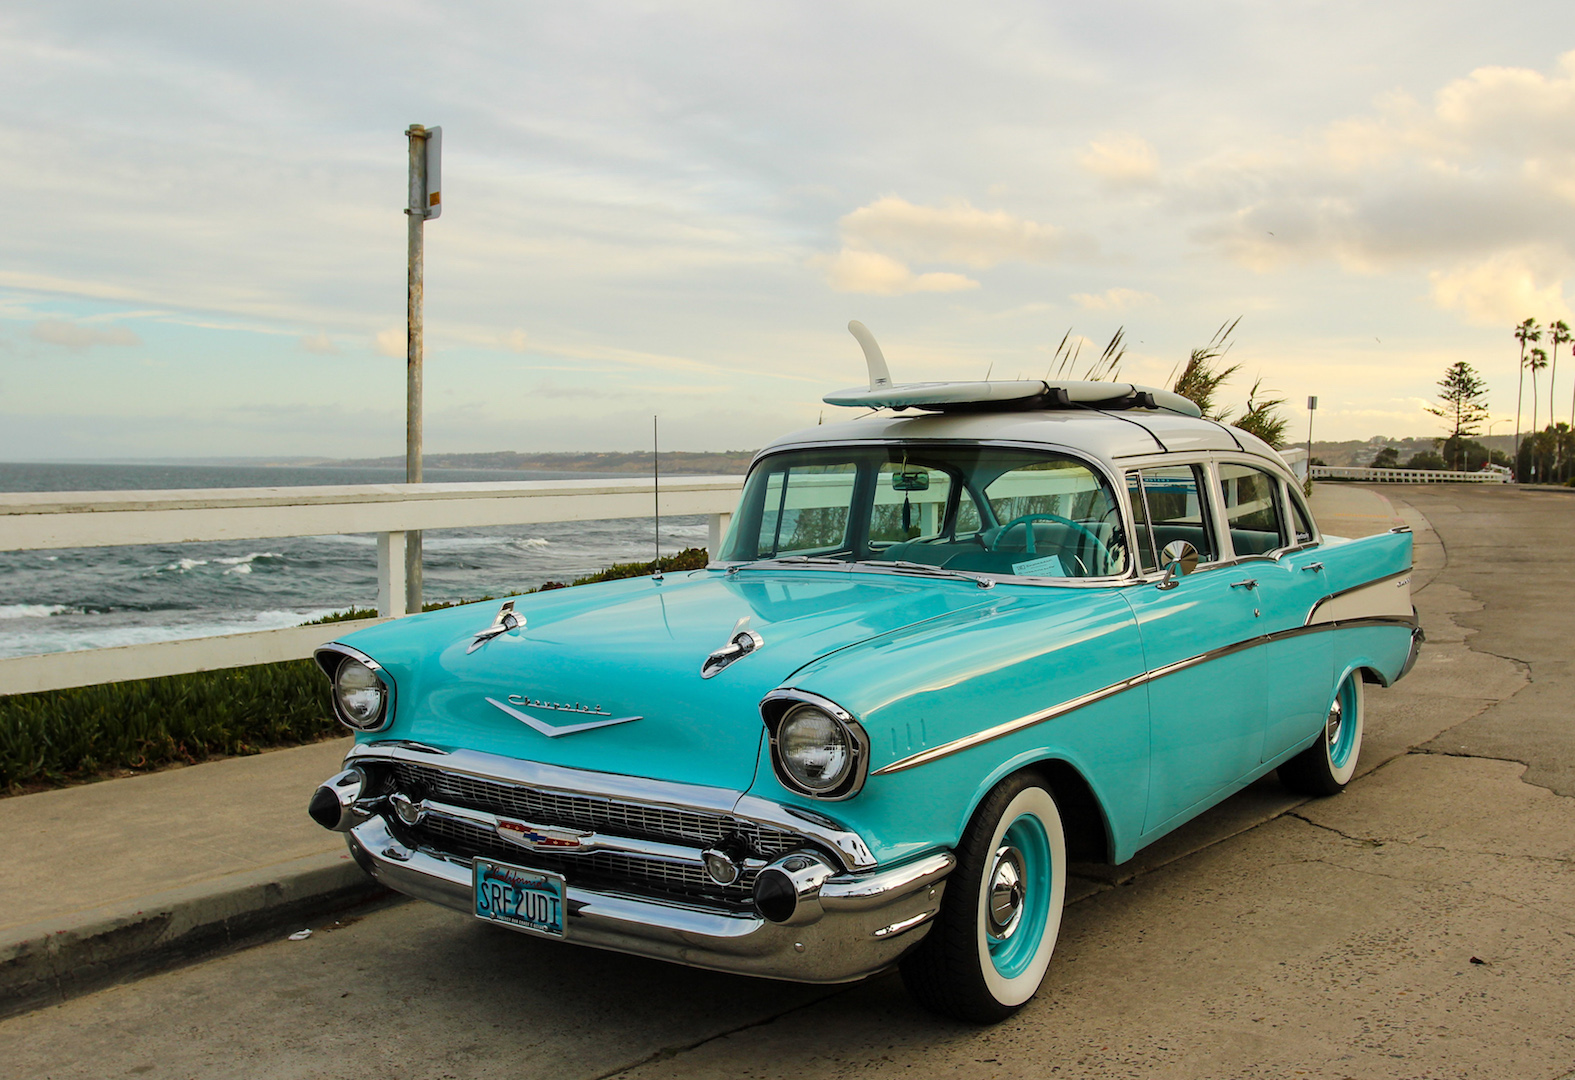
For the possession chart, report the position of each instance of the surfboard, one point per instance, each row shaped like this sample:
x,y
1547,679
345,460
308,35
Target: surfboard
x,y
883,393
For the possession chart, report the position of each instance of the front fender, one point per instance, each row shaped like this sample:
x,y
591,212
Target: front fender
x,y
925,697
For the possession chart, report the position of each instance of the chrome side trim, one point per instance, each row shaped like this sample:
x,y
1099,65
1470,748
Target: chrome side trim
x,y
849,847
1010,727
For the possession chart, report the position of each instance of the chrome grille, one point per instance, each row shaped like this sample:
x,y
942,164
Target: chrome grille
x,y
697,828
610,817
607,868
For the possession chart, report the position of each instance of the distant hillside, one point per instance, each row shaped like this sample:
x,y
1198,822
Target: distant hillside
x,y
725,463
1361,451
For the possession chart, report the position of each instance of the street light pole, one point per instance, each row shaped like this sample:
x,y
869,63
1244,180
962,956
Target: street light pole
x,y
426,150
414,346
1312,407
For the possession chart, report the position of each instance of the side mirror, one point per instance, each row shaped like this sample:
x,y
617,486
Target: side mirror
x,y
1180,559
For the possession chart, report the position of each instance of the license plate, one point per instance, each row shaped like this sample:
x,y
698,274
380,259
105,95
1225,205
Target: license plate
x,y
519,898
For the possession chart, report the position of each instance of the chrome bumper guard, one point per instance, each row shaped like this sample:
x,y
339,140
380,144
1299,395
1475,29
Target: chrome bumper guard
x,y
869,919
1417,637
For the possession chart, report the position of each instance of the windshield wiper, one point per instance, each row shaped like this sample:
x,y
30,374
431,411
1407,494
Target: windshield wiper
x,y
794,560
933,571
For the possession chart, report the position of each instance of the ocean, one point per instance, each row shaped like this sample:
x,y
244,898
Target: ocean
x,y
89,598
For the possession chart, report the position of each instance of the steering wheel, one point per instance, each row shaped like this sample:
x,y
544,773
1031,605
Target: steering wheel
x,y
1027,520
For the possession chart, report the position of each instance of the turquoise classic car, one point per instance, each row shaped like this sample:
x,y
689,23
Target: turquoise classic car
x,y
945,651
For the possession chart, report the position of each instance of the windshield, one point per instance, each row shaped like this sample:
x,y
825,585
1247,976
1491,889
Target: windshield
x,y
980,509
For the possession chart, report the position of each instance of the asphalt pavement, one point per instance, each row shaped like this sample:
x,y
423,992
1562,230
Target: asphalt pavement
x,y
1422,924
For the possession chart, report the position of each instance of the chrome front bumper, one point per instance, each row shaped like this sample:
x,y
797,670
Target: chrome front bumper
x,y
870,919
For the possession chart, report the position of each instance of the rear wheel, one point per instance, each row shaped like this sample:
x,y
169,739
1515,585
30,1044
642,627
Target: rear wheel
x,y
1325,767
987,953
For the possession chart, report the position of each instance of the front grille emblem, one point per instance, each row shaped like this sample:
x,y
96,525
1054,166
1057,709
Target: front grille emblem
x,y
540,837
552,731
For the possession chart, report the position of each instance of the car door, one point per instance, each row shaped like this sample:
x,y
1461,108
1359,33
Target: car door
x,y
1276,548
1200,635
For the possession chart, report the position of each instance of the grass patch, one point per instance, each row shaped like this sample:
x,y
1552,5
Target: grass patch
x,y
59,737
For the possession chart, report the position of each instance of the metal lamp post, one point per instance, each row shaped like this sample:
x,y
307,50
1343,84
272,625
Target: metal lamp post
x,y
426,151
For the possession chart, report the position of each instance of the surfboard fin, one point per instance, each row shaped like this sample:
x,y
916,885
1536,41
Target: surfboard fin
x,y
880,376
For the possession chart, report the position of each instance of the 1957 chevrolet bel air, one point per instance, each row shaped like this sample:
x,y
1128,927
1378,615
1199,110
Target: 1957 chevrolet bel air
x,y
939,655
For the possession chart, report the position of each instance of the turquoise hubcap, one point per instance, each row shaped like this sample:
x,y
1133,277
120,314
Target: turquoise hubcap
x,y
1340,734
1018,896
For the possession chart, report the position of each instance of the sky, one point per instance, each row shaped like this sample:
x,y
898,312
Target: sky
x,y
674,210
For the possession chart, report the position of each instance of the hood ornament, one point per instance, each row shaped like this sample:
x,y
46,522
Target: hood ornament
x,y
552,731
740,643
506,620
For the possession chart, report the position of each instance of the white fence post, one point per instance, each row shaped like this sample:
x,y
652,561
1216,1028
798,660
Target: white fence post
x,y
390,574
716,532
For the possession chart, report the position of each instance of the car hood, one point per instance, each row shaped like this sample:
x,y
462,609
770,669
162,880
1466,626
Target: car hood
x,y
632,651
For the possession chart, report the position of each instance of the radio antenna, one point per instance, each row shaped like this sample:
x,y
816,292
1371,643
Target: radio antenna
x,y
656,496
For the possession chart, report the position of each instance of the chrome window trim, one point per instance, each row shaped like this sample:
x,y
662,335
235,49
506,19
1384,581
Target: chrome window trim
x,y
344,652
774,708
1109,472
1033,719
849,846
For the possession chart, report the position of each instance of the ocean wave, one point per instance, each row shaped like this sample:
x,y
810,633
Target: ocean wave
x,y
183,566
242,564
35,611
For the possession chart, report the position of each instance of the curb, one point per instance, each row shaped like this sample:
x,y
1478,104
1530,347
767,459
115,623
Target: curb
x,y
52,961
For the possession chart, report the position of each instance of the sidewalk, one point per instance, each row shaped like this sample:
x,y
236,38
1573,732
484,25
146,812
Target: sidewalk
x,y
112,880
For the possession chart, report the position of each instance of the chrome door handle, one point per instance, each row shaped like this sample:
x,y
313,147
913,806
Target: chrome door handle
x,y
1313,566
1250,583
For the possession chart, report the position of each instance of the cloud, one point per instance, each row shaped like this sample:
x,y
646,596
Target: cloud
x,y
1504,289
881,275
77,336
1121,159
956,233
321,344
1113,299
1457,186
393,342
515,340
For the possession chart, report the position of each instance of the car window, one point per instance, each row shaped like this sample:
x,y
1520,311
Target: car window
x,y
1143,543
962,506
1300,521
805,509
1175,510
1252,509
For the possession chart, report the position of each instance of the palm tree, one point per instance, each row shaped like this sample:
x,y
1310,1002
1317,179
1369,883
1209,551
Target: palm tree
x,y
1528,330
1559,332
1535,363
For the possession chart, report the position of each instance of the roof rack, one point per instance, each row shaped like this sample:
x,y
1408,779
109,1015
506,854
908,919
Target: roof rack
x,y
1017,395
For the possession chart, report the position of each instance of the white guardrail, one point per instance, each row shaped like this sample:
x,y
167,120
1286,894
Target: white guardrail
x,y
55,519
1405,476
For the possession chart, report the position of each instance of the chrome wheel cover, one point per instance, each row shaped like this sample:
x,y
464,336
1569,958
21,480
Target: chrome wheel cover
x,y
1007,892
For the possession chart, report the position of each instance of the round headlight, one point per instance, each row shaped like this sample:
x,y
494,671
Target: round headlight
x,y
360,693
816,750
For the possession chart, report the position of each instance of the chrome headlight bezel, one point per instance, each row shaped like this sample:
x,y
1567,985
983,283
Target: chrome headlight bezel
x,y
775,709
332,659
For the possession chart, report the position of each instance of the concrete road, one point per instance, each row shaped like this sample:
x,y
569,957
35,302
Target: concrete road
x,y
1422,924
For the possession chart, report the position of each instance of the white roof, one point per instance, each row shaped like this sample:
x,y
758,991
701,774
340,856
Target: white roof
x,y
1099,434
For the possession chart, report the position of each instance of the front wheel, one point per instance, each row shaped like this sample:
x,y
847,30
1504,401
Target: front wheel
x,y
1325,767
987,953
